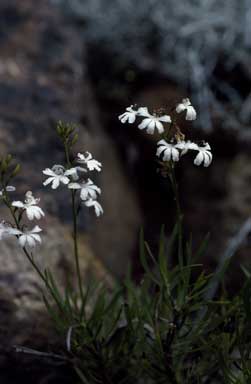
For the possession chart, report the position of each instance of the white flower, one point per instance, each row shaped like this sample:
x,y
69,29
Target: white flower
x,y
168,151
7,231
150,122
73,172
24,237
57,175
30,206
128,116
185,146
186,105
29,237
88,160
97,207
204,156
87,189
9,188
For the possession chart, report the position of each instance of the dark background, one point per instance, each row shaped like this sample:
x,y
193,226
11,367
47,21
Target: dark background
x,y
85,61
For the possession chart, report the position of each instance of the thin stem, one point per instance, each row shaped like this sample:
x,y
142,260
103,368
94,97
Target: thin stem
x,y
75,240
29,256
75,227
176,193
102,367
178,213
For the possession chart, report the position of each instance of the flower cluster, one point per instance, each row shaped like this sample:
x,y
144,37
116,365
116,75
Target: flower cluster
x,y
74,179
172,151
173,145
26,237
56,176
32,210
150,122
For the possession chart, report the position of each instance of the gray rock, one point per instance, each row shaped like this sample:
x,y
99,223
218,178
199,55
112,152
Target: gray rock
x,y
43,79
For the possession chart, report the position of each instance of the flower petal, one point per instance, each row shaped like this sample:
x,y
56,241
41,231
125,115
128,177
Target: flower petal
x,y
123,118
207,158
165,119
48,181
22,240
10,188
199,159
167,154
18,204
55,183
180,108
151,127
36,237
74,186
143,111
160,150
30,240
175,154
70,172
191,114
64,179
131,118
48,172
159,126
144,123
36,229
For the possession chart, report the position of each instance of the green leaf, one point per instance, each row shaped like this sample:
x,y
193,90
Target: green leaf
x,y
16,170
246,296
162,258
245,271
56,317
74,139
143,259
81,376
202,248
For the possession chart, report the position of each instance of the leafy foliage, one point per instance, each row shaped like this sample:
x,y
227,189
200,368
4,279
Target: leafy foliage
x,y
163,330
167,329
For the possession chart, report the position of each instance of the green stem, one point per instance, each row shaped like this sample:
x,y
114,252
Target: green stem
x,y
102,367
29,256
176,193
178,213
75,227
75,240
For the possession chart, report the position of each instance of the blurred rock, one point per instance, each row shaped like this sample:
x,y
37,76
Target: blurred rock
x,y
238,201
43,78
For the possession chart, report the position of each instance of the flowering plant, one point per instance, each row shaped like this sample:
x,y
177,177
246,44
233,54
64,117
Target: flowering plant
x,y
172,144
167,329
73,178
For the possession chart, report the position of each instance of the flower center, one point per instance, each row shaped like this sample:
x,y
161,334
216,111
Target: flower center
x,y
30,199
58,169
